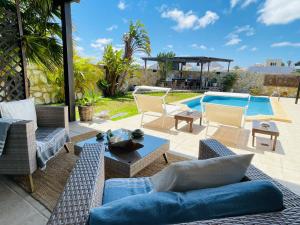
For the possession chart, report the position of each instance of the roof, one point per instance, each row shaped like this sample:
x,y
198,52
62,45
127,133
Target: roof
x,y
297,63
185,59
271,69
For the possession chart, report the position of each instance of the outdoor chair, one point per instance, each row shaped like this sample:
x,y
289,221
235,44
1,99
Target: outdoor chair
x,y
26,149
148,105
85,187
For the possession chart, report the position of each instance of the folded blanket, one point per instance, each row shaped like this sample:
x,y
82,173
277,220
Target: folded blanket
x,y
4,127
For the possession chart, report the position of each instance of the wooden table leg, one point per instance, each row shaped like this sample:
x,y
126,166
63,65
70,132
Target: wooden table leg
x,y
176,124
165,157
191,126
200,121
274,144
253,139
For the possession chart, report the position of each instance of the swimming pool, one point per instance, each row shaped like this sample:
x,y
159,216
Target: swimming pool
x,y
257,105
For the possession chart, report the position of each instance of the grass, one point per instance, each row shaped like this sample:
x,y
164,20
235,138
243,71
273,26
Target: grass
x,y
124,106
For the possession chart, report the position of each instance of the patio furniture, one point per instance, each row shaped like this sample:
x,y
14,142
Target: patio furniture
x,y
272,130
128,164
20,151
147,104
84,190
189,117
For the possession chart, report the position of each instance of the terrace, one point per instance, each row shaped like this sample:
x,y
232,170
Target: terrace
x,y
33,201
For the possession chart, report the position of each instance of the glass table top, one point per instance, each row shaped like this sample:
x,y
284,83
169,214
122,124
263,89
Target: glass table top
x,y
149,144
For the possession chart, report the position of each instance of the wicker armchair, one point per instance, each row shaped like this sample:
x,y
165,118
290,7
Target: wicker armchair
x,y
20,152
84,191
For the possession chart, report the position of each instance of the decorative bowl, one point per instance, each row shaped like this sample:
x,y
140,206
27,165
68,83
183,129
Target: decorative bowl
x,y
138,133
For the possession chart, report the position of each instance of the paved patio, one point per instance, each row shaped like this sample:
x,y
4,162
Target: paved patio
x,y
283,164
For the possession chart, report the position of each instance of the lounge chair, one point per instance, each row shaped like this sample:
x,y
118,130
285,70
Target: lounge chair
x,y
148,105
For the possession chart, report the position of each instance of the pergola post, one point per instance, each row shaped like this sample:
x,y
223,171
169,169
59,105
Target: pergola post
x,y
66,22
228,67
298,93
201,73
208,65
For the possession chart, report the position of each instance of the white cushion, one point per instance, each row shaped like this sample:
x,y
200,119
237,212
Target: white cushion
x,y
197,174
22,110
172,108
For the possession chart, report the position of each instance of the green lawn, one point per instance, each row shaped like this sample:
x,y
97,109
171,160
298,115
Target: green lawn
x,y
123,107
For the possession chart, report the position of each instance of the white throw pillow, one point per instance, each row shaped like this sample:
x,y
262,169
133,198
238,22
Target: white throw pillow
x,y
22,110
197,174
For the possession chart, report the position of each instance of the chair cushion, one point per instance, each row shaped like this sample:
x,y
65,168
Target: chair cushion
x,y
198,174
49,141
115,189
22,110
179,207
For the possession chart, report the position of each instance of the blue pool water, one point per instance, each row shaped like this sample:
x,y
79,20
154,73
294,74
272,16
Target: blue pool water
x,y
257,105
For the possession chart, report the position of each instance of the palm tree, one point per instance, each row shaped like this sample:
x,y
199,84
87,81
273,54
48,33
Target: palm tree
x,y
42,33
136,40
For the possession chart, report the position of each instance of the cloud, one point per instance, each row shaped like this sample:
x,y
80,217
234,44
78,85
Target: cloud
x,y
279,12
233,3
242,48
111,28
286,44
170,46
233,40
76,38
254,49
247,3
244,3
196,46
118,47
79,49
122,5
188,20
100,43
234,37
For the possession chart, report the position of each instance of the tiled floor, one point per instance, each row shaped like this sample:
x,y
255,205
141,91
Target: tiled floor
x,y
17,207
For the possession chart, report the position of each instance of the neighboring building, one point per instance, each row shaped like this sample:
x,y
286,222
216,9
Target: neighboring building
x,y
271,66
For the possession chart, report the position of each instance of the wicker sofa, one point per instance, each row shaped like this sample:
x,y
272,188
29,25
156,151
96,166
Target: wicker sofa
x,y
20,152
84,191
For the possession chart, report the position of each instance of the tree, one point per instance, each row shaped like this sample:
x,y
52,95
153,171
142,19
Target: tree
x,y
136,40
42,33
289,63
164,66
114,64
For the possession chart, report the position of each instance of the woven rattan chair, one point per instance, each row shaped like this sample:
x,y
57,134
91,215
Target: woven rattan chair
x,y
20,152
84,190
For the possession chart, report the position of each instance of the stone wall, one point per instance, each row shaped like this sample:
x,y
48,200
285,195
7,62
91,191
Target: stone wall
x,y
40,89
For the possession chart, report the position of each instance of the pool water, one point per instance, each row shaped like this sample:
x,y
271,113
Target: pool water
x,y
257,105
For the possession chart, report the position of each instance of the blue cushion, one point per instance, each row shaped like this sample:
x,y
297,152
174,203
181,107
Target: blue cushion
x,y
118,188
174,207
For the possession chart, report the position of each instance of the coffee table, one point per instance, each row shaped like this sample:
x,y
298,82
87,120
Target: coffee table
x,y
189,117
272,131
128,164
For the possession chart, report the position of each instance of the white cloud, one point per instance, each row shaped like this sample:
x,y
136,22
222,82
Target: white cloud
x,y
209,18
242,48
254,49
279,12
79,48
247,3
170,46
233,3
188,20
196,46
118,47
100,43
76,38
111,28
233,40
286,44
122,5
234,37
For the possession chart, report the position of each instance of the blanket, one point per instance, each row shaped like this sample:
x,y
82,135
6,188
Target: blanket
x,y
4,127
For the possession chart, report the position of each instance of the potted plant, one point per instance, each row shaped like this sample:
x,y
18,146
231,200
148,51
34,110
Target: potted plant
x,y
86,106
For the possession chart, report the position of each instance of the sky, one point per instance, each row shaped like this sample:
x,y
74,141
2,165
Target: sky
x,y
247,31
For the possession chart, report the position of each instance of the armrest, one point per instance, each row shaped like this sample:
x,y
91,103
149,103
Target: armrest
x,y
52,116
84,188
20,149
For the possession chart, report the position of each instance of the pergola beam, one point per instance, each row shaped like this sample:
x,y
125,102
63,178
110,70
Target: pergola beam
x,y
66,21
